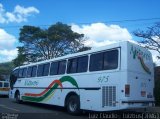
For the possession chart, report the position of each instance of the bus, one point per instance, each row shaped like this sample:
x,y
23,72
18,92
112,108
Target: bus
x,y
4,88
114,77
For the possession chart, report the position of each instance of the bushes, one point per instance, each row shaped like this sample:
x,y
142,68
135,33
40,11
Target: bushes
x,y
157,92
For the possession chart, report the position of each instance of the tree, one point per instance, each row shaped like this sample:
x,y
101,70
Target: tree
x,y
41,44
6,68
151,37
21,58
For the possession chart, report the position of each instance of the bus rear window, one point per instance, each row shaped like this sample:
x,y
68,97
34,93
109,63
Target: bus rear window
x,y
6,84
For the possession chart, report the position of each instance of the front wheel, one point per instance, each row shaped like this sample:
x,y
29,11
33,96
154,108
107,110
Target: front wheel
x,y
17,97
73,105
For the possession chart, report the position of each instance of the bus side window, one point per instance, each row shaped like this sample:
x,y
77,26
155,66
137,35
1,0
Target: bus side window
x,y
72,65
82,64
62,67
34,70
20,73
46,69
29,71
96,62
15,73
24,72
54,68
1,84
40,70
111,60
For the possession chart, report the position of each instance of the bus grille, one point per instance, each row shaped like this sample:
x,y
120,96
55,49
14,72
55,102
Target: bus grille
x,y
109,96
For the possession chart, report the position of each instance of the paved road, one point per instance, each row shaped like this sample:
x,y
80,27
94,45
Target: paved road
x,y
9,108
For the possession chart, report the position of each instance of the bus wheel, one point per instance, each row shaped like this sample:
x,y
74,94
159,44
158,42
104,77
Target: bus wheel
x,y
17,97
73,105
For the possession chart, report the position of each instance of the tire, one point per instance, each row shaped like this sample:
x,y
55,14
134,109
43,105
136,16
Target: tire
x,y
73,105
17,97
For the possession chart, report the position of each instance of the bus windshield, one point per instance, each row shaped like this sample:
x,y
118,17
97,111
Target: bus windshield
x,y
13,78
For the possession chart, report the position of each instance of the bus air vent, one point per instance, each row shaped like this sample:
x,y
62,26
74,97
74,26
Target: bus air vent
x,y
109,96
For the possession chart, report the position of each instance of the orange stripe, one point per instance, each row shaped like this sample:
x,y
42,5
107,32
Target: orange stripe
x,y
4,89
43,92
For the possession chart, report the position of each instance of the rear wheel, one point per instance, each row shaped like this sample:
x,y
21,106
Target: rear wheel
x,y
73,105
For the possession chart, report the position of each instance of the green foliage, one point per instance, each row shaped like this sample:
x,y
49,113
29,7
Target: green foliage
x,y
6,68
41,44
157,92
21,58
151,37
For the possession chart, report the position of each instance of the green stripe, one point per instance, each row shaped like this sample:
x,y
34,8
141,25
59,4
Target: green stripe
x,y
69,79
49,92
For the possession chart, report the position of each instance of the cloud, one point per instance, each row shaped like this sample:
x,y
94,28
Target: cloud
x,y
155,58
19,14
8,55
6,40
7,46
99,34
8,50
25,11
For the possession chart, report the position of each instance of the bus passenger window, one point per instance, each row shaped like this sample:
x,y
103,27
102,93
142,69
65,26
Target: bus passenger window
x,y
15,73
40,70
34,70
46,69
111,60
24,72
29,71
96,62
62,67
54,68
72,66
20,73
82,64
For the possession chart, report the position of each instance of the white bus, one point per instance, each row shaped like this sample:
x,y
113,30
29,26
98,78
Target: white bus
x,y
4,88
114,77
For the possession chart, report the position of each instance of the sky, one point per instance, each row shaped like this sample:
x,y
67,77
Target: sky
x,y
102,21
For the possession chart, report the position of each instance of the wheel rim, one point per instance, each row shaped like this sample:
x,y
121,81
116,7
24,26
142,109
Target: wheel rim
x,y
73,106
